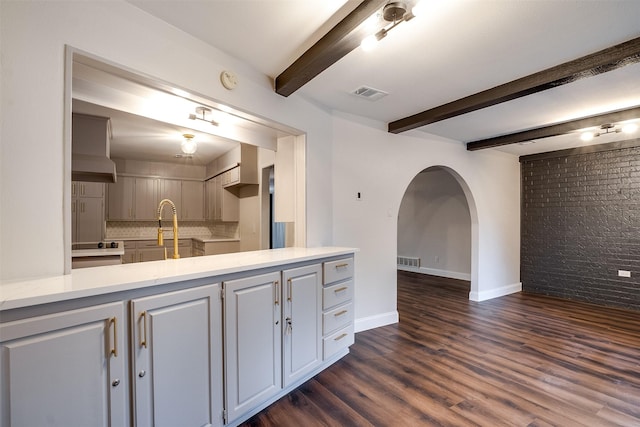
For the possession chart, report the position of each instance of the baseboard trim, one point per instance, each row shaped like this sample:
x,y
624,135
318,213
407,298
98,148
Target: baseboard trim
x,y
495,293
376,321
436,272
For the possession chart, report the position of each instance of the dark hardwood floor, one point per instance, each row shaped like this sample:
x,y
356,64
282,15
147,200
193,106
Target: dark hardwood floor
x,y
519,360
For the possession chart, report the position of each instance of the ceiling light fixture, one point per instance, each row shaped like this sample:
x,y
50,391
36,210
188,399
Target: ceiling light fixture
x,y
188,146
203,111
607,129
394,12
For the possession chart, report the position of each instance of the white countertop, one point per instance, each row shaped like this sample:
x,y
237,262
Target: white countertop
x,y
94,281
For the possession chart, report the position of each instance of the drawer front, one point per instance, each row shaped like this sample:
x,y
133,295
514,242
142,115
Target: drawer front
x,y
337,294
337,318
337,341
335,271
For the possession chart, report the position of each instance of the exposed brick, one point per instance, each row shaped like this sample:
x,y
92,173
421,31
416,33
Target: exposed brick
x,y
580,225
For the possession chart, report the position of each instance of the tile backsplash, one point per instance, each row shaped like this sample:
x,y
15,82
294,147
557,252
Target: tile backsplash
x,y
186,229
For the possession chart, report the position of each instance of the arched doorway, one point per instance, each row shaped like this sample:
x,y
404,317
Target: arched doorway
x,y
437,226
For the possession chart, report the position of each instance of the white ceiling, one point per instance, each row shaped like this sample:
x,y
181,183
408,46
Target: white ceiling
x,y
459,48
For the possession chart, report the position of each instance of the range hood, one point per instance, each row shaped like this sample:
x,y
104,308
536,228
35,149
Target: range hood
x,y
90,140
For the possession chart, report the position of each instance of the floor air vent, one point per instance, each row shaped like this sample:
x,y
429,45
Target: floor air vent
x,y
369,93
407,261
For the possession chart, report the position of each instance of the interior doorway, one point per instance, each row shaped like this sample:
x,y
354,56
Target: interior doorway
x,y
435,226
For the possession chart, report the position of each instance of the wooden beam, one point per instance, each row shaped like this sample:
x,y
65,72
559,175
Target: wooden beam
x,y
339,41
597,63
555,130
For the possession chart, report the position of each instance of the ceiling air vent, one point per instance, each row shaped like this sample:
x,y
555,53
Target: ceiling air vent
x,y
369,93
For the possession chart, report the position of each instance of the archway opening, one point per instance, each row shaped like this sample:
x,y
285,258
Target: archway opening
x,y
436,226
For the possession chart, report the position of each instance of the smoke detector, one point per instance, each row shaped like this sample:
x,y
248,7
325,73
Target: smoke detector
x,y
369,93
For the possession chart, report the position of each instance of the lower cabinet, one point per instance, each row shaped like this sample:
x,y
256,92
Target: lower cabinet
x,y
302,333
273,334
205,355
177,358
65,369
253,352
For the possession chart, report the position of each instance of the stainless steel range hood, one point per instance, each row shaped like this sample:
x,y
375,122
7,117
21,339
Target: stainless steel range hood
x,y
90,161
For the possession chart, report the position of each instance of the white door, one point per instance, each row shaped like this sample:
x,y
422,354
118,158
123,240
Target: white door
x,y
177,353
65,369
253,353
302,327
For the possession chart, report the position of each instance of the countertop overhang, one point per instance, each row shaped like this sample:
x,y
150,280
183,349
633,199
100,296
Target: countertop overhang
x,y
93,281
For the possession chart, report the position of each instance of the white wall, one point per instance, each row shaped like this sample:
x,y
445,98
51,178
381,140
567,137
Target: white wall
x,y
33,36
434,225
380,166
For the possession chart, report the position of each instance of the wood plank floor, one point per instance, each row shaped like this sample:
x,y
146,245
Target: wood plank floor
x,y
520,360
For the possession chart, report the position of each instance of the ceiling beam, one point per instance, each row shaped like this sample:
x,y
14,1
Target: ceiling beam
x,y
555,130
596,63
339,41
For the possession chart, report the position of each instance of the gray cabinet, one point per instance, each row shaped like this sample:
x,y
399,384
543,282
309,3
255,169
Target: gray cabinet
x,y
253,352
337,305
177,358
192,201
302,322
133,198
65,369
87,212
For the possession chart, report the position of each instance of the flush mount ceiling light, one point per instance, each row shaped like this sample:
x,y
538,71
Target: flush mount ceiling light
x,y
609,128
188,146
395,13
201,114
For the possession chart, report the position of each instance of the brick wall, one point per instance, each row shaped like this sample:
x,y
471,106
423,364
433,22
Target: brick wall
x,y
581,224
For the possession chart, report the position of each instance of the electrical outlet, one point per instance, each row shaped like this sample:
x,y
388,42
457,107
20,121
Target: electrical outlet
x,y
624,273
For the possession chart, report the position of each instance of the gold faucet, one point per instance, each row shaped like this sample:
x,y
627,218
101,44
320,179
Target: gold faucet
x,y
164,202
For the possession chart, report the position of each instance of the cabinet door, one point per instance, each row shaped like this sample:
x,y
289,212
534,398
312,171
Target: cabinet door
x,y
89,219
120,194
177,357
253,352
302,321
171,189
65,369
146,199
192,200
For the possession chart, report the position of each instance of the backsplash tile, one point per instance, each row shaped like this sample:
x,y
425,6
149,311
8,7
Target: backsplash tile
x,y
186,229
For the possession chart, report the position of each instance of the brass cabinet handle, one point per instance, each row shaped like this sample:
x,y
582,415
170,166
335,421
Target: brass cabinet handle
x,y
346,264
339,337
290,294
340,313
143,341
276,285
344,288
114,349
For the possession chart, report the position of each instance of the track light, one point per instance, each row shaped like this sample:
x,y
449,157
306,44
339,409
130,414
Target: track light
x,y
607,129
202,111
395,13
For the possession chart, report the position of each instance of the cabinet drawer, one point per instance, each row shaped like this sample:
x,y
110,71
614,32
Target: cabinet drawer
x,y
337,318
335,271
337,341
337,294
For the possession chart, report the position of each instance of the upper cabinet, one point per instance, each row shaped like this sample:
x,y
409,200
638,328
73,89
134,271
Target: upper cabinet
x,y
137,199
87,211
237,167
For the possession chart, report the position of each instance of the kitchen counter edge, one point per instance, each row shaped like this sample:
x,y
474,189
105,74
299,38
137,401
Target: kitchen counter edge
x,y
94,281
